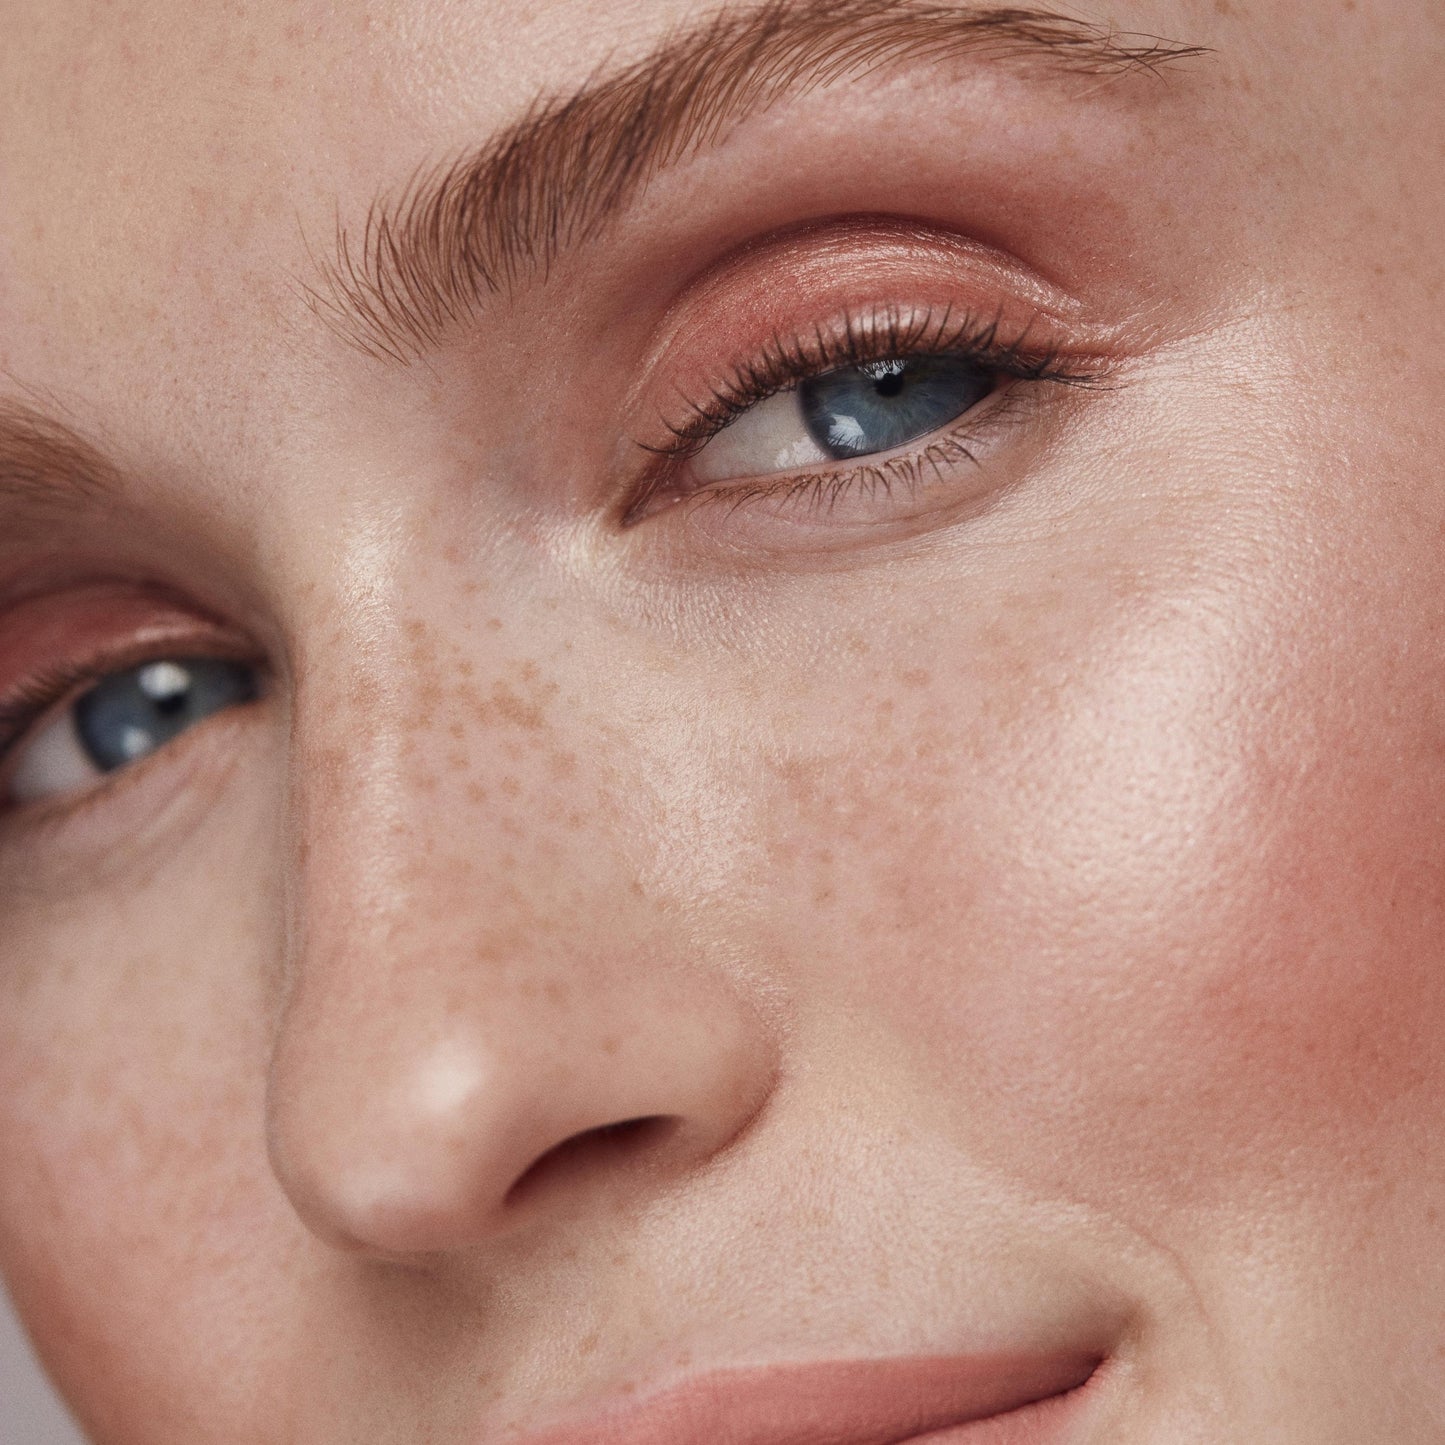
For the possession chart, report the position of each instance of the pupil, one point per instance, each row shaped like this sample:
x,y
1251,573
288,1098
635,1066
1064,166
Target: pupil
x,y
889,377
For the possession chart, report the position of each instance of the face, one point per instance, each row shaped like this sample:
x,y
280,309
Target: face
x,y
724,725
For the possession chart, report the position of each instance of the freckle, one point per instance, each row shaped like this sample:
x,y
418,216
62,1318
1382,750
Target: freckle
x,y
476,793
576,820
914,677
427,783
510,787
557,993
589,1345
468,696
456,731
611,1046
564,765
457,762
515,710
495,623
858,646
466,668
452,553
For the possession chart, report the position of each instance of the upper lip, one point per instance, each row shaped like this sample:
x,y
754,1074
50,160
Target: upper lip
x,y
836,1402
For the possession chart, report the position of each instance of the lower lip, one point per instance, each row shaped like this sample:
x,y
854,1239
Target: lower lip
x,y
850,1404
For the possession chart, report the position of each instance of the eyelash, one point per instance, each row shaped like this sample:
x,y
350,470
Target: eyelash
x,y
786,362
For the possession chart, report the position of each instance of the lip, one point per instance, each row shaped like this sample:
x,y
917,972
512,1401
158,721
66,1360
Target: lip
x,y
1017,1398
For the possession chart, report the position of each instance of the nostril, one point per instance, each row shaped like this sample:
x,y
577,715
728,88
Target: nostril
x,y
596,1151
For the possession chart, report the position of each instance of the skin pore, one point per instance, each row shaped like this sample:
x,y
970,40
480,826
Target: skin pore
x,y
661,902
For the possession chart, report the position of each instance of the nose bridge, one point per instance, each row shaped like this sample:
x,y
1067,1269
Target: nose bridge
x,y
474,989
423,787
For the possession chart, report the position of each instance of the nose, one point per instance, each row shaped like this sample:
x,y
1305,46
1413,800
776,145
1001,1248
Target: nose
x,y
418,1132
474,1040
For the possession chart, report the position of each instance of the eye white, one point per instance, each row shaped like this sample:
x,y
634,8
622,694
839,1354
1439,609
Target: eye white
x,y
51,763
769,437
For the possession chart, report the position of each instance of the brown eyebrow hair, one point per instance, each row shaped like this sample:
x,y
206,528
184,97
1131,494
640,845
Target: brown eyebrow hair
x,y
44,465
466,230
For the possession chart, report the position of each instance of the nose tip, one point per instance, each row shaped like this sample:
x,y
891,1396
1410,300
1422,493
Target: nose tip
x,y
439,1149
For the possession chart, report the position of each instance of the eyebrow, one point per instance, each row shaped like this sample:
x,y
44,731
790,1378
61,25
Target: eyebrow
x,y
46,467
469,229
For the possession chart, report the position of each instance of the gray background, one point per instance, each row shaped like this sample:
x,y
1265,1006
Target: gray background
x,y
29,1411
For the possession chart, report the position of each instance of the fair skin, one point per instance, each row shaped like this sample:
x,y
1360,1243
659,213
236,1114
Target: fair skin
x,y
638,930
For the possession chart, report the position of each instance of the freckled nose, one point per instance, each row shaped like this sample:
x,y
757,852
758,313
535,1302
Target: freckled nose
x,y
402,1141
488,1023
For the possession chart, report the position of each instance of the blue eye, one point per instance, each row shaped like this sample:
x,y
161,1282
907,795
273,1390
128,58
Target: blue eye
x,y
125,718
130,715
858,410
849,412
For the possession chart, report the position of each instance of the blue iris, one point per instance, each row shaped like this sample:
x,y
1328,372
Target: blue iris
x,y
858,410
131,714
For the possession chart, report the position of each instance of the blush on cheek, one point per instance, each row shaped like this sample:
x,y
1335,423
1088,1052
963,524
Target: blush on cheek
x,y
1174,946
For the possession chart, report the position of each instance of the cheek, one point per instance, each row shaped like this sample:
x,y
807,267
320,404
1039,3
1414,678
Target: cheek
x,y
134,1210
1152,919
